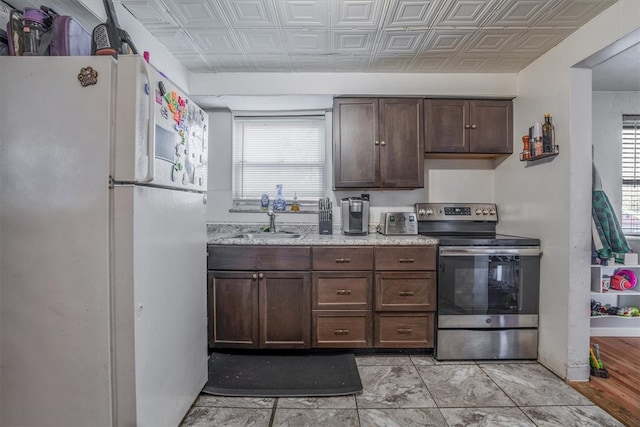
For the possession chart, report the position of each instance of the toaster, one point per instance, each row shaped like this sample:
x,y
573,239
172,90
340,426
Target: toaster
x,y
398,223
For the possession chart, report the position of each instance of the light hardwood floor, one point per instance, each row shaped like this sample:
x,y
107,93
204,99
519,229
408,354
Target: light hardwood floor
x,y
619,394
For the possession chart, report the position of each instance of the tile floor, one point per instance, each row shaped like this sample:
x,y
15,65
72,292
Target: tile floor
x,y
416,390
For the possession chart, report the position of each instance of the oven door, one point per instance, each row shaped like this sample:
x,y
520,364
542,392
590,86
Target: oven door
x,y
488,287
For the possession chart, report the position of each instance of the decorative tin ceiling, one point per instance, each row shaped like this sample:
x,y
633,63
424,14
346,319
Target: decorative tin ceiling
x,y
421,36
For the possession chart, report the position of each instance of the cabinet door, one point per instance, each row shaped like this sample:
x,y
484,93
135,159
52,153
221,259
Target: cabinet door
x,y
285,309
233,309
401,142
491,126
355,133
445,121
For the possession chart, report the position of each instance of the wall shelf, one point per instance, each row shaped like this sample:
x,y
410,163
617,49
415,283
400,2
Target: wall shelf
x,y
527,157
611,325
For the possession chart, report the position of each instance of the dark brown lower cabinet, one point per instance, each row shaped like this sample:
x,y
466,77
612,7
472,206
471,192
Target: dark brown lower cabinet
x,y
342,297
285,309
259,309
405,297
325,297
233,309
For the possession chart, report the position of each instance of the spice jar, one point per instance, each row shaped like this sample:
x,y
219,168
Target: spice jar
x,y
526,150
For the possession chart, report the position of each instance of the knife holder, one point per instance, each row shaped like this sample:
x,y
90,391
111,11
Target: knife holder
x,y
325,222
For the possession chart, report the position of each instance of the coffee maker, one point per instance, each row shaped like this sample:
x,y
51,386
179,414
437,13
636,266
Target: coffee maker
x,y
355,215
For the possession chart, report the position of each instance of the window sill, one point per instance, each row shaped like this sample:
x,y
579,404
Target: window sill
x,y
248,210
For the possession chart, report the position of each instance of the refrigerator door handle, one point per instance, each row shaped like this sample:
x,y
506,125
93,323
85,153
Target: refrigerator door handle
x,y
151,146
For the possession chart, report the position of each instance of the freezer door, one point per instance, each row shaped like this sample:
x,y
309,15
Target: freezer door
x,y
161,136
160,319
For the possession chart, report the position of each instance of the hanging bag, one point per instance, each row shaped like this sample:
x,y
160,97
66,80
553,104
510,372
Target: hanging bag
x,y
43,32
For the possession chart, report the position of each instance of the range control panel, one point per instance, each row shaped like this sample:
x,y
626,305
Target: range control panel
x,y
457,212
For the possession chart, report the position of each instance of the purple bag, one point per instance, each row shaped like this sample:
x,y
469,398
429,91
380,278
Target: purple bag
x,y
4,43
63,36
67,38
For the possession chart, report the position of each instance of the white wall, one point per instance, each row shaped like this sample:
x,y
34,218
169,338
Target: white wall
x,y
608,108
552,199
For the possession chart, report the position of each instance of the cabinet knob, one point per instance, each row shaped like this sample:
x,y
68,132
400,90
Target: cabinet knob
x,y
406,260
405,293
341,332
254,276
343,260
405,331
467,126
474,127
383,143
260,276
343,292
377,142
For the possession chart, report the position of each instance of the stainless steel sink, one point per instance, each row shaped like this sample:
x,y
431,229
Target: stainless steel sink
x,y
267,235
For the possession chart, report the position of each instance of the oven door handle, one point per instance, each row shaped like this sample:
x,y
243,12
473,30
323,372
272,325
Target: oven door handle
x,y
489,250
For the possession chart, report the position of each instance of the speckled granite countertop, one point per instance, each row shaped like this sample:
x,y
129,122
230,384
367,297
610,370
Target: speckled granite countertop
x,y
223,234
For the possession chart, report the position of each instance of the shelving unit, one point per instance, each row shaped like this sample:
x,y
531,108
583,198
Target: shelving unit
x,y
555,150
614,326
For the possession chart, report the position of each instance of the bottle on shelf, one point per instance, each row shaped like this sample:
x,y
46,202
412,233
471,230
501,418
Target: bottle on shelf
x,y
548,134
264,202
526,149
295,207
279,203
537,139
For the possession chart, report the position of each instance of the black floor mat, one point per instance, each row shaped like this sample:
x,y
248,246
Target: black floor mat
x,y
282,375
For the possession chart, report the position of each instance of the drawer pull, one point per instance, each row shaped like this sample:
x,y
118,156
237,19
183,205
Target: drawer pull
x,y
406,260
405,331
341,332
405,293
343,260
343,292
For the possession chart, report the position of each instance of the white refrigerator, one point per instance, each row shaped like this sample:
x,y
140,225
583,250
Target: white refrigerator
x,y
103,168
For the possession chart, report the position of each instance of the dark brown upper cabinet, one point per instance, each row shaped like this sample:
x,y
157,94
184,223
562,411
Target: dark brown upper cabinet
x,y
378,143
480,128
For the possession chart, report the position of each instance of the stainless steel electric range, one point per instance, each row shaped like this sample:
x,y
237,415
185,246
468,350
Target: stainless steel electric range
x,y
488,284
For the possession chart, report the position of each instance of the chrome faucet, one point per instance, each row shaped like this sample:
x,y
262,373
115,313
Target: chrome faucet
x,y
272,221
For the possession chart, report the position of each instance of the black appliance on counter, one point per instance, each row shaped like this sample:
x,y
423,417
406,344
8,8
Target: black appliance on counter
x,y
488,284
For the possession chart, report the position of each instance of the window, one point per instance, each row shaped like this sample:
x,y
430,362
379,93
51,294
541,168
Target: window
x,y
631,174
287,150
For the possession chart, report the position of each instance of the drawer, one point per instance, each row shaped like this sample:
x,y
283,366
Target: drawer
x,y
402,330
405,258
397,291
339,258
349,290
246,257
350,329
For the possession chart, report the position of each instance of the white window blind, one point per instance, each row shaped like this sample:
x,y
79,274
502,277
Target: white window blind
x,y
287,150
631,174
